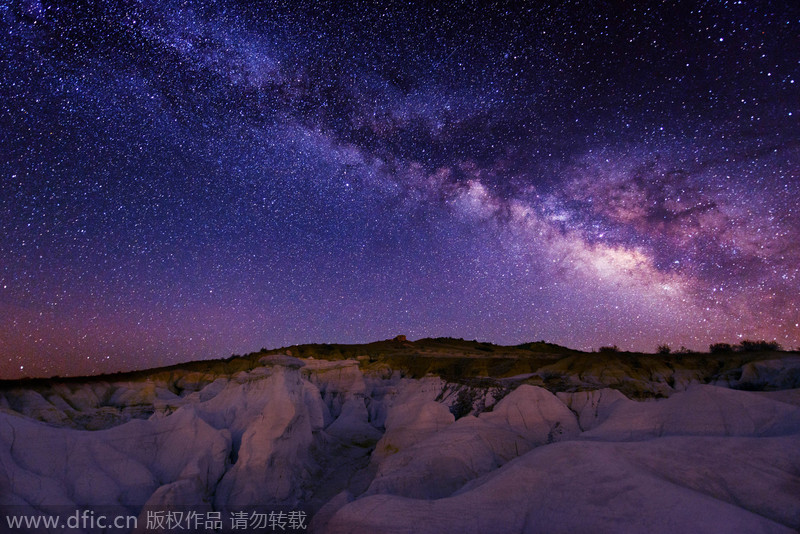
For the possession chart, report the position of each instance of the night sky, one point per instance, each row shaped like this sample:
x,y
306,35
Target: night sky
x,y
185,179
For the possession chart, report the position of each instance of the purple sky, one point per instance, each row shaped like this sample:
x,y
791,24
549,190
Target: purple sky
x,y
185,180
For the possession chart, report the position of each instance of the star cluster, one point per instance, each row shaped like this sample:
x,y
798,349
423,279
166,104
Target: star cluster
x,y
189,179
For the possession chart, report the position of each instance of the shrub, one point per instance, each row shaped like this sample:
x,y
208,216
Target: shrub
x,y
612,348
720,347
756,346
746,345
663,349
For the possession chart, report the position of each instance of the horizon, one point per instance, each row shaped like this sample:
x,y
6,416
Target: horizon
x,y
745,346
185,180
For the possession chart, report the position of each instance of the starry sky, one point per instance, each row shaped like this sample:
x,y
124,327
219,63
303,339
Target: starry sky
x,y
189,179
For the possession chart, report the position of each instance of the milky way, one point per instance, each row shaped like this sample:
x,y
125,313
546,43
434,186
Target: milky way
x,y
185,180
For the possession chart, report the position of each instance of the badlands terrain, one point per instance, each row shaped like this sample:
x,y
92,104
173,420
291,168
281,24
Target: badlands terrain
x,y
437,435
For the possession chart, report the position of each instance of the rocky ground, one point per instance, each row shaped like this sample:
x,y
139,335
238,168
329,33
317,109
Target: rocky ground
x,y
432,436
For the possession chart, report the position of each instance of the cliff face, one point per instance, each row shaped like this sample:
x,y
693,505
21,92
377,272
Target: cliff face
x,y
373,451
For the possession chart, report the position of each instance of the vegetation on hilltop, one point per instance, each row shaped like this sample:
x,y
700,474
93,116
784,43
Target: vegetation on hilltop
x,y
459,360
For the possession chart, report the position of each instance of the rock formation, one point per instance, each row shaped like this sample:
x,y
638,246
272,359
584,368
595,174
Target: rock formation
x,y
363,448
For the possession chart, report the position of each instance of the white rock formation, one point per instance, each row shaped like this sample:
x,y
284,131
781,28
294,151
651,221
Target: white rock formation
x,y
381,453
536,414
434,458
409,424
701,411
124,465
679,484
593,407
277,431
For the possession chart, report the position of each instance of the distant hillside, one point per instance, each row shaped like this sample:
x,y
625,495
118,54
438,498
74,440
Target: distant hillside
x,y
427,355
551,366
